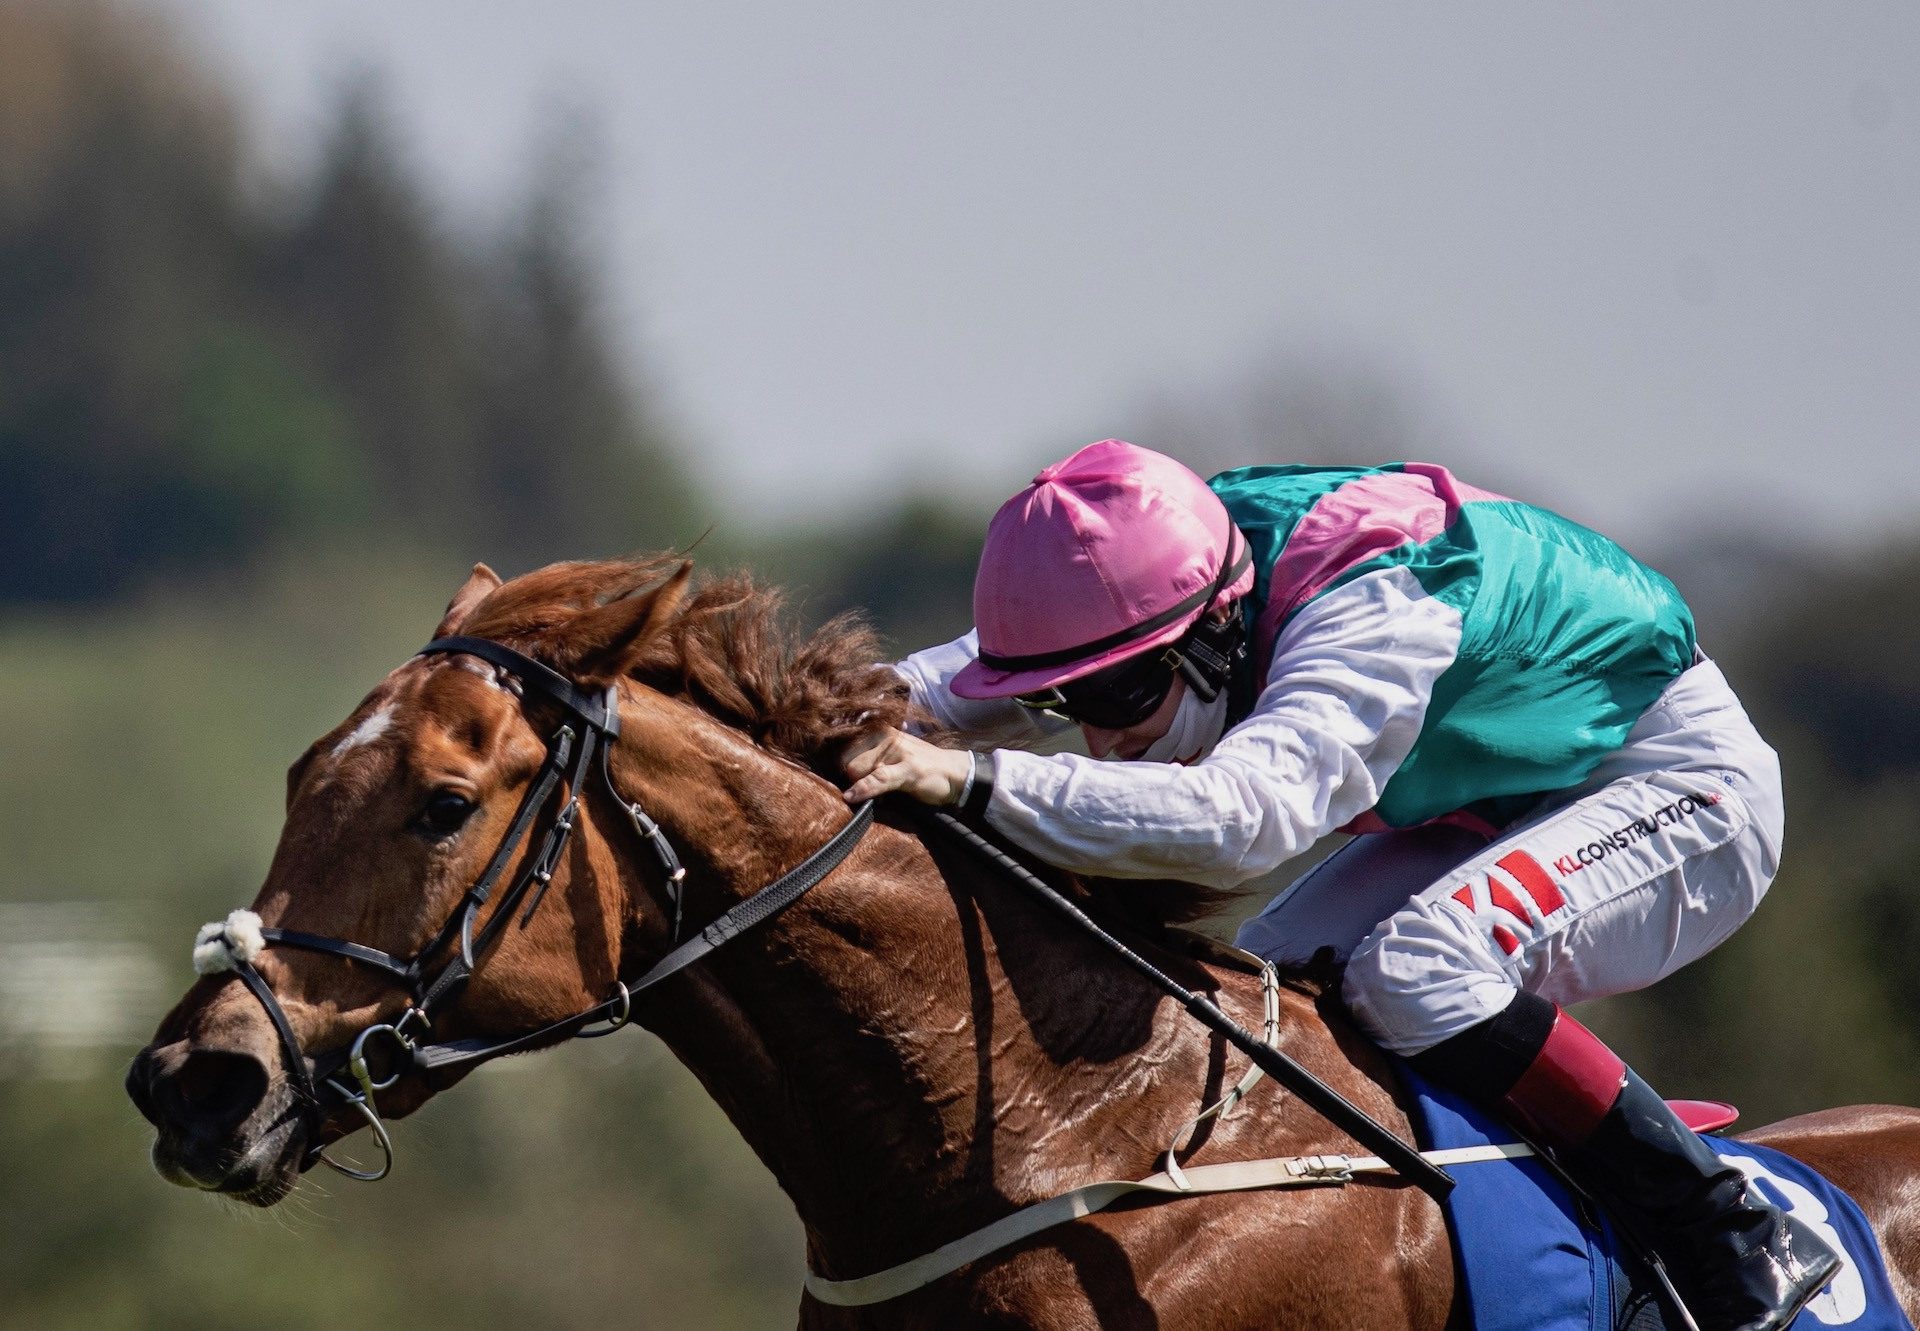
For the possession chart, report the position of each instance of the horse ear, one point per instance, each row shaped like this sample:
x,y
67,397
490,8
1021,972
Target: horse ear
x,y
605,642
478,586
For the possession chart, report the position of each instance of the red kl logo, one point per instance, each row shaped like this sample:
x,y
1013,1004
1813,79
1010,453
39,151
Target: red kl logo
x,y
1533,880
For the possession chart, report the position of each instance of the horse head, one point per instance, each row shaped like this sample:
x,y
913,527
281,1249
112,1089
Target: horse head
x,y
393,818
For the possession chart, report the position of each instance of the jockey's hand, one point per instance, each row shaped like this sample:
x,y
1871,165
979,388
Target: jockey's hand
x,y
895,760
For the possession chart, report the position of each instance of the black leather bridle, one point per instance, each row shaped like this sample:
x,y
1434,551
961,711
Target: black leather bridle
x,y
591,724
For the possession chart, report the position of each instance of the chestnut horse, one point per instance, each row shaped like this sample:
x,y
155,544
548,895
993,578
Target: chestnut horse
x,y
915,1049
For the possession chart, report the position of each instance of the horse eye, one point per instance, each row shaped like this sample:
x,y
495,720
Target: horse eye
x,y
445,813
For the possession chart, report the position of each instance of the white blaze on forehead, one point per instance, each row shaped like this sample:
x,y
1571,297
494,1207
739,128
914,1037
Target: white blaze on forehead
x,y
367,731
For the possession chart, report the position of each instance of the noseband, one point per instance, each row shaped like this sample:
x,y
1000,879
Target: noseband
x,y
591,724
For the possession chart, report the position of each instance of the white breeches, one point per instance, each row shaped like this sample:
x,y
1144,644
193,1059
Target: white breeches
x,y
1653,861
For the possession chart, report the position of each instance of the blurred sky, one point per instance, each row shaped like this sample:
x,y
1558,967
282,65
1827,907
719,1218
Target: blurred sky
x,y
1650,260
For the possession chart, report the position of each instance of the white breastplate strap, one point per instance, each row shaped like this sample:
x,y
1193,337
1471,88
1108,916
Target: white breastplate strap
x,y
1297,1171
1223,1108
1294,1171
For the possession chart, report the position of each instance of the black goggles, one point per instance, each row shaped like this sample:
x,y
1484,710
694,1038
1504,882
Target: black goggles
x,y
1122,695
1127,692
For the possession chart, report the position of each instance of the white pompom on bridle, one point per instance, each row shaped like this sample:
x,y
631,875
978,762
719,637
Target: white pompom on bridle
x,y
219,945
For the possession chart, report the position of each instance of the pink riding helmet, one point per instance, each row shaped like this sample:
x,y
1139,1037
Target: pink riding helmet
x,y
1115,550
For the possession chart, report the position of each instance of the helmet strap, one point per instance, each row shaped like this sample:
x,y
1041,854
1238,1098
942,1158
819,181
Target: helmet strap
x,y
1211,654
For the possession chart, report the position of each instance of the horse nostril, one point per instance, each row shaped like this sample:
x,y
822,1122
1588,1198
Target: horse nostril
x,y
140,1086
215,1089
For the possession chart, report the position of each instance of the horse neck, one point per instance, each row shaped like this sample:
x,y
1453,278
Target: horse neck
x,y
915,1045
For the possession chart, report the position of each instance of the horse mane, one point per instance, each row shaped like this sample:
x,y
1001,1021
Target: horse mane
x,y
734,649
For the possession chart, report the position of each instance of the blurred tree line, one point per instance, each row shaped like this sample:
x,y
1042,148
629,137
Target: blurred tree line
x,y
197,367
322,385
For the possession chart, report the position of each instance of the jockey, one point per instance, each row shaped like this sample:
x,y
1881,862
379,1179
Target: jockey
x,y
1557,794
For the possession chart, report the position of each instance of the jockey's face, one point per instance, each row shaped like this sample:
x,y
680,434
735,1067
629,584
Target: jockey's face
x,y
1136,739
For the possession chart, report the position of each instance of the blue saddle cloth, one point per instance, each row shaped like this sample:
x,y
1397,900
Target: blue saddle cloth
x,y
1531,1259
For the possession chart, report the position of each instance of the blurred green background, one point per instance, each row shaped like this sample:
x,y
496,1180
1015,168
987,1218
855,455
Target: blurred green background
x,y
251,440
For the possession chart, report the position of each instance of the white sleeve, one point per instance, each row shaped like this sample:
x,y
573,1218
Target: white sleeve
x,y
1344,701
986,723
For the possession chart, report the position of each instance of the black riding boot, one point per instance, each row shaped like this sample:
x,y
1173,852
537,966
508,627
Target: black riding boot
x,y
1736,1260
1739,1263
